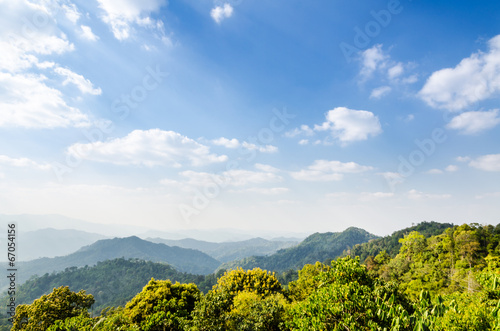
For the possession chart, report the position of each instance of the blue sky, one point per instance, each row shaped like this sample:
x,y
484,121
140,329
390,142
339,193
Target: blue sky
x,y
304,116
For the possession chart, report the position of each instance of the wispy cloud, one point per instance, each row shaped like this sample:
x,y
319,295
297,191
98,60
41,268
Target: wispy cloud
x,y
323,170
489,162
121,16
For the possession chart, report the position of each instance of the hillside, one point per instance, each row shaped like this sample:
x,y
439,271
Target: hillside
x,y
317,247
230,251
112,282
391,243
182,259
33,244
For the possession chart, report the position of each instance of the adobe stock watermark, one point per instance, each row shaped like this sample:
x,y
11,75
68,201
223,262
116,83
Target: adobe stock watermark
x,y
103,129
364,35
201,198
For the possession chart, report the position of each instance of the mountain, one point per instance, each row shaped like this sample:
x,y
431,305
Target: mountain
x,y
317,247
230,251
391,243
27,222
112,282
182,259
52,243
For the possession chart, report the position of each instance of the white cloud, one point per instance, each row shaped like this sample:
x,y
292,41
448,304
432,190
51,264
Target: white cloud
x,y
150,148
451,168
379,92
473,122
474,79
260,148
266,167
228,143
221,12
489,162
372,59
303,130
268,191
434,172
350,125
27,102
323,170
395,71
417,195
303,142
462,158
235,143
87,33
71,12
121,14
83,84
23,163
233,178
488,195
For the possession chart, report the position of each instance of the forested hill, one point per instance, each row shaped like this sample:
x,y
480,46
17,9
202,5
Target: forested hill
x,y
230,251
391,243
112,283
182,259
317,247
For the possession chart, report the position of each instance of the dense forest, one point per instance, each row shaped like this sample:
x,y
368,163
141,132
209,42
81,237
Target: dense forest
x,y
447,279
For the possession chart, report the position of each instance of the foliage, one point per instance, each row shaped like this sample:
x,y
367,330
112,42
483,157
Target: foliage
x,y
162,304
58,305
251,299
391,245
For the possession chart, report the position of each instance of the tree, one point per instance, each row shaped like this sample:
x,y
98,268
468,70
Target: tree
x,y
162,305
45,311
250,299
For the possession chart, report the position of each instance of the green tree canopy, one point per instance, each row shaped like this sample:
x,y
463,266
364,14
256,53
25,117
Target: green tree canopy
x,y
58,305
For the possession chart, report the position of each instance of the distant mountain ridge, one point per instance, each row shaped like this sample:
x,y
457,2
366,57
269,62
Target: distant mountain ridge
x,y
182,259
230,251
316,247
52,242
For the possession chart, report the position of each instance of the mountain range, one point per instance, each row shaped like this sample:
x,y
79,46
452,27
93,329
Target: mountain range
x,y
230,251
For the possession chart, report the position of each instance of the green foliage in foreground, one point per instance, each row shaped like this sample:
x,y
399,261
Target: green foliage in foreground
x,y
450,281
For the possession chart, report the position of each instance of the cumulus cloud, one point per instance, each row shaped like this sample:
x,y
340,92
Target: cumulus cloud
x,y
323,170
120,15
475,78
221,12
349,125
474,122
149,148
451,168
489,162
